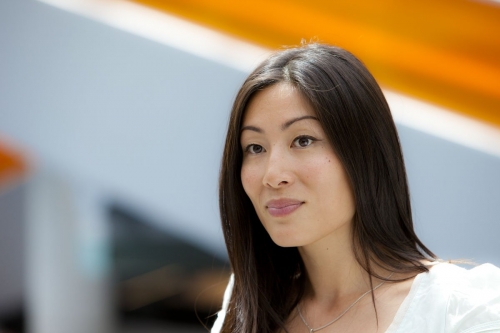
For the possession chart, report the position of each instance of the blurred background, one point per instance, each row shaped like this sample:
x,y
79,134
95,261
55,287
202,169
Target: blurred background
x,y
112,120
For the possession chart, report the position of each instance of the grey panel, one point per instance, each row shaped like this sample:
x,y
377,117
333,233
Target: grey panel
x,y
12,224
455,195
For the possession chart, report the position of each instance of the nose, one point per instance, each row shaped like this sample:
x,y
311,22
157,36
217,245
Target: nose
x,y
278,173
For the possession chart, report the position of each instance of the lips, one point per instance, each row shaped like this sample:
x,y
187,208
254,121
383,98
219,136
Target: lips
x,y
282,207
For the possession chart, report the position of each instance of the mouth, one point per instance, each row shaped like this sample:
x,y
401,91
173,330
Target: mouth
x,y
283,207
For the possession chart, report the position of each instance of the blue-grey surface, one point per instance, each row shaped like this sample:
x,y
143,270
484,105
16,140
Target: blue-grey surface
x,y
455,195
147,122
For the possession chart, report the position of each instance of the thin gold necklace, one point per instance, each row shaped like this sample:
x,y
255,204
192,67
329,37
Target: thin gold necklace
x,y
312,330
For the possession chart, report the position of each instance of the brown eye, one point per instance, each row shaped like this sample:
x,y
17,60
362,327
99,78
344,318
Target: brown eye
x,y
254,149
303,141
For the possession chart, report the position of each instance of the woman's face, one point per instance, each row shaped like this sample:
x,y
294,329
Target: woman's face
x,y
290,172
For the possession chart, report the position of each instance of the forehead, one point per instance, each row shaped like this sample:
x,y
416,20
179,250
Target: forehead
x,y
279,102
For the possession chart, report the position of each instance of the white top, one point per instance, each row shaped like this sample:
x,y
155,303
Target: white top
x,y
451,299
448,299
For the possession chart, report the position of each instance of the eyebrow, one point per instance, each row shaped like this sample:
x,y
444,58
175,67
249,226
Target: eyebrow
x,y
283,127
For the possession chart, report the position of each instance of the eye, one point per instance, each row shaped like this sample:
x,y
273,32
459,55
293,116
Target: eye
x,y
303,141
254,149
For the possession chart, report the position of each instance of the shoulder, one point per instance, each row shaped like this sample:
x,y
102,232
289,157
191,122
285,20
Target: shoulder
x,y
474,301
481,278
452,299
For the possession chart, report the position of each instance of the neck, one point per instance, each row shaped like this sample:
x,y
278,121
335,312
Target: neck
x,y
332,269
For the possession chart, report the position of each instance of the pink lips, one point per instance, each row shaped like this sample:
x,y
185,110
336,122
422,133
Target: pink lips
x,y
282,207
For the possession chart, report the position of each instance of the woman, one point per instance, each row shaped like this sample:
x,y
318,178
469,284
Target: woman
x,y
316,214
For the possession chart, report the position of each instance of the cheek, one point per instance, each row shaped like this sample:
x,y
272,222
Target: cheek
x,y
339,192
319,168
249,180
328,177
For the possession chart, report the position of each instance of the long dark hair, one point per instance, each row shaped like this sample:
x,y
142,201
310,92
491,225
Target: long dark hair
x,y
268,279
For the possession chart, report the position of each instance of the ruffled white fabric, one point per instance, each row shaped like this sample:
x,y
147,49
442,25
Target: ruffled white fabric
x,y
451,299
448,299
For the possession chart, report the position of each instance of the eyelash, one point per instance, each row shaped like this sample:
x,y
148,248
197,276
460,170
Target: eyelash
x,y
300,137
310,138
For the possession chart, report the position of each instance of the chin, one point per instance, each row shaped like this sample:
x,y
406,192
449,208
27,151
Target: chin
x,y
284,234
286,240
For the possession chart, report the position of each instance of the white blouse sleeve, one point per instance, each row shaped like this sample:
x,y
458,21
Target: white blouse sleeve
x,y
451,299
475,306
222,313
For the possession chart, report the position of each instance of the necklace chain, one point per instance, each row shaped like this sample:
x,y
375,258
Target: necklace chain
x,y
312,330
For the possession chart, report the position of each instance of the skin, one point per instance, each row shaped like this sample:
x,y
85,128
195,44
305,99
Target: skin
x,y
288,156
293,163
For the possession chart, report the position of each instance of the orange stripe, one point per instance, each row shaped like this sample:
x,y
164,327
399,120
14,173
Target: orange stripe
x,y
447,51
